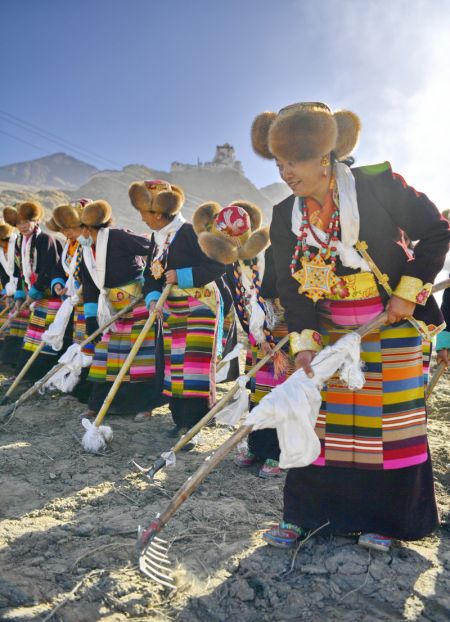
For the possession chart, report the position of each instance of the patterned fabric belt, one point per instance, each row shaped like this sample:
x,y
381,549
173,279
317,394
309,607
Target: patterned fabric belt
x,y
361,286
121,296
206,294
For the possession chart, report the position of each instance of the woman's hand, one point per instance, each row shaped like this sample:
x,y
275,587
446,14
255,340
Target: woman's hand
x,y
152,308
442,357
266,348
59,289
399,309
171,277
303,361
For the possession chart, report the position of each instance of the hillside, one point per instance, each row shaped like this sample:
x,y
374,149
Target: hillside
x,y
204,183
55,171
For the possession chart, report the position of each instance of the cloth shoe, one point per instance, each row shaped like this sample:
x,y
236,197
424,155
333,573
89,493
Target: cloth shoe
x,y
284,535
270,468
244,458
90,414
143,416
375,542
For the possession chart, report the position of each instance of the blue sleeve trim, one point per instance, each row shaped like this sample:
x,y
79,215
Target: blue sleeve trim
x,y
19,295
3,292
151,296
443,340
185,278
35,293
56,281
90,309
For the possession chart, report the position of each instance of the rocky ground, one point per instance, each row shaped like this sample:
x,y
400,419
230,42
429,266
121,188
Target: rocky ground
x,y
69,519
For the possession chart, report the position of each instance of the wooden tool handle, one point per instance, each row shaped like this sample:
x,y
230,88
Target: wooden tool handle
x,y
130,358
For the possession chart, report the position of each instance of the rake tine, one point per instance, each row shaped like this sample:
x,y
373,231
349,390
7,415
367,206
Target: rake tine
x,y
140,468
148,573
161,563
159,547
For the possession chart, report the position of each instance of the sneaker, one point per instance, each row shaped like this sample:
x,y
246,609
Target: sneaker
x,y
143,416
284,535
270,468
375,541
244,458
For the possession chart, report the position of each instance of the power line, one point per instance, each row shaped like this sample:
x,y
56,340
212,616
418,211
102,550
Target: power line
x,y
26,142
193,197
51,137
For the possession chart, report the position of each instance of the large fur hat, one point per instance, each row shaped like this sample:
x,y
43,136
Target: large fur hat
x,y
52,225
10,216
157,196
5,230
30,210
232,233
304,131
69,216
96,213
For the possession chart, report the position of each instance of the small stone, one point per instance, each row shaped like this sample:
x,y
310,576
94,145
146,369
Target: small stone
x,y
52,475
242,591
313,569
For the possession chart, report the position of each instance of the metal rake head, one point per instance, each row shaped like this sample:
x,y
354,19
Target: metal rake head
x,y
150,472
153,558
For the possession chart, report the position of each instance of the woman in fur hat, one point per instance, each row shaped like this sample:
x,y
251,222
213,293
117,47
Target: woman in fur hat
x,y
13,336
112,276
66,279
38,254
234,236
191,313
338,264
8,282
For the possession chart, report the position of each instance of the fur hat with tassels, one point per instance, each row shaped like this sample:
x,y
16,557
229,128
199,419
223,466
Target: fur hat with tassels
x,y
156,196
10,216
304,131
232,233
96,214
6,230
69,216
30,210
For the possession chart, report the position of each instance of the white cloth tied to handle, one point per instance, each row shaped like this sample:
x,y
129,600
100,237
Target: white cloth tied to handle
x,y
292,407
54,335
222,374
97,269
66,378
170,458
233,411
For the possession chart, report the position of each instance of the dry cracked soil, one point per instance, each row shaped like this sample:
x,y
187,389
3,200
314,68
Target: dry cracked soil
x,y
68,523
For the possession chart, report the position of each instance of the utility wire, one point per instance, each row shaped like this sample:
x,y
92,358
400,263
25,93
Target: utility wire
x,y
26,142
50,136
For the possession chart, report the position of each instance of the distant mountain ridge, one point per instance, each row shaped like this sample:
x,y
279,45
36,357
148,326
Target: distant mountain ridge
x,y
54,171
221,183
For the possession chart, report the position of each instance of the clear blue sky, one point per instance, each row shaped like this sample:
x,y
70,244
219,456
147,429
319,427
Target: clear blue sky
x,y
152,81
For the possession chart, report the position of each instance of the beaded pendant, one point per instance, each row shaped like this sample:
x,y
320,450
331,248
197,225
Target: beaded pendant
x,y
157,269
317,278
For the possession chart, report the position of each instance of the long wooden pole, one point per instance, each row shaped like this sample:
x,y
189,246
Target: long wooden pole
x,y
13,316
40,383
226,399
28,365
131,356
192,483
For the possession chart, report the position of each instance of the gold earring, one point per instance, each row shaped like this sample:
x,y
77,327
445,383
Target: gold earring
x,y
325,161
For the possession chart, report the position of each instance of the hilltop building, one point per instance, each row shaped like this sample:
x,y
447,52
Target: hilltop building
x,y
225,157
